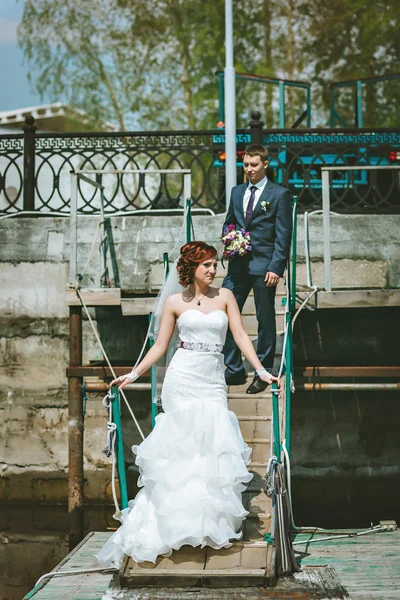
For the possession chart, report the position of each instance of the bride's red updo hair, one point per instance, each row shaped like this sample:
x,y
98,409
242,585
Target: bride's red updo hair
x,y
192,255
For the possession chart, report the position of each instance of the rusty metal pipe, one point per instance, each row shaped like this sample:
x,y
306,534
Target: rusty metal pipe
x,y
75,432
103,387
348,387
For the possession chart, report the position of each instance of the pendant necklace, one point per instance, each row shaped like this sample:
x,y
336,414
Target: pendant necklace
x,y
199,299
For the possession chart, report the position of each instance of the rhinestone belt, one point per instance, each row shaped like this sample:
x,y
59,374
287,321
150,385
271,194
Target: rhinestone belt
x,y
201,347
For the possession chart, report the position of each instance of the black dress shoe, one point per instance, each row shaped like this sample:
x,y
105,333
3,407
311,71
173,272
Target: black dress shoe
x,y
235,379
257,386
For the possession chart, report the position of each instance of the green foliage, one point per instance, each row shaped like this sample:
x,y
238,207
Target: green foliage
x,y
349,39
152,64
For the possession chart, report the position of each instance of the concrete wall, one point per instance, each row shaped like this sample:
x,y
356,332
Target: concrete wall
x,y
34,255
34,335
346,445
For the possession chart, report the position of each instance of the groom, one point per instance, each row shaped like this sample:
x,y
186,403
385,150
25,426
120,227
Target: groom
x,y
264,209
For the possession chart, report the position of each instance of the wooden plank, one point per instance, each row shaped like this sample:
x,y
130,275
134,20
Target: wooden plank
x,y
185,559
95,297
368,566
195,578
241,559
358,298
80,586
137,306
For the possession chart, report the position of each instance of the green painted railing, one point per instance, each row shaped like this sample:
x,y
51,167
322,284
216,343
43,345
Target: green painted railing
x,y
119,442
289,369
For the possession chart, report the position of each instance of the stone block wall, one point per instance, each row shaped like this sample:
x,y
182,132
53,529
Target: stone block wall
x,y
34,255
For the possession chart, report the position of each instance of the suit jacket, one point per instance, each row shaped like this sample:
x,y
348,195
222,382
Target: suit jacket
x,y
270,231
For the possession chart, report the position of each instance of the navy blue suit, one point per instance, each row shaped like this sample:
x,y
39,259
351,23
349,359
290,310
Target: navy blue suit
x,y
270,234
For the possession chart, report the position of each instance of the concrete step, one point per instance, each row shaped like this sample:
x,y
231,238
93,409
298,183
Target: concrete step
x,y
250,404
251,325
255,427
260,452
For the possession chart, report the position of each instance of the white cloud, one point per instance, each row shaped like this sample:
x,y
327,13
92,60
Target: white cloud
x,y
8,31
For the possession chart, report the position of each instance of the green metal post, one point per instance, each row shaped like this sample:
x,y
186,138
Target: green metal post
x,y
221,97
288,379
359,106
166,263
188,220
275,420
281,105
294,258
289,317
120,448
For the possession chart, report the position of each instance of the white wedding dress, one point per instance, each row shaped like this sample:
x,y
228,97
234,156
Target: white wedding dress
x,y
193,464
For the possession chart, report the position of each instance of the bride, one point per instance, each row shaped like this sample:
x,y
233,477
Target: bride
x,y
193,464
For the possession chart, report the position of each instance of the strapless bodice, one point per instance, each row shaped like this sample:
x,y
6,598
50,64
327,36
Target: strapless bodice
x,y
207,328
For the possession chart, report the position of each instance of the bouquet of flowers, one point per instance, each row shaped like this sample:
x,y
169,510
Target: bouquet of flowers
x,y
236,242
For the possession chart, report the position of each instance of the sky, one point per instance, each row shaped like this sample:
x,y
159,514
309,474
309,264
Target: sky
x,y
15,89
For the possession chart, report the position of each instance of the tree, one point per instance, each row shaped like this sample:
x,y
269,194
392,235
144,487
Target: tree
x,y
349,39
81,51
152,64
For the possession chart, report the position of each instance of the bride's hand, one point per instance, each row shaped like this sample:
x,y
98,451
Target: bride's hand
x,y
270,379
120,382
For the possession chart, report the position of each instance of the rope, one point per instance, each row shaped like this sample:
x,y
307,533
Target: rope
x,y
106,357
109,450
73,572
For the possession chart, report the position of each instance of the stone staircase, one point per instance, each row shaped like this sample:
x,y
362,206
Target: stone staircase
x,y
251,561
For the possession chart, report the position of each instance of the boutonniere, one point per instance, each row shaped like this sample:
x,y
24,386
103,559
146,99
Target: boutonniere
x,y
265,206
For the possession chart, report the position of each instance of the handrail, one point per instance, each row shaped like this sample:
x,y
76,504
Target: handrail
x,y
287,352
116,408
289,324
326,202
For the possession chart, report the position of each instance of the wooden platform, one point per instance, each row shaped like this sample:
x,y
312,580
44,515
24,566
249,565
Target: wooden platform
x,y
368,566
362,568
244,564
353,298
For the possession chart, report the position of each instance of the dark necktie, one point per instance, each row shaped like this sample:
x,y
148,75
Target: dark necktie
x,y
249,210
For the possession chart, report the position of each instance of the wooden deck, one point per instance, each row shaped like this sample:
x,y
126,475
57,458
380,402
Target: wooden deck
x,y
362,568
368,566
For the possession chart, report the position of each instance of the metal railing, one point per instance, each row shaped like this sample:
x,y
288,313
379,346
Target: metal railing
x,y
326,209
35,168
282,433
98,184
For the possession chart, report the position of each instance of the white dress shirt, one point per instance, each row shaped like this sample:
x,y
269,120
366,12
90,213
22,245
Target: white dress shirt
x,y
246,198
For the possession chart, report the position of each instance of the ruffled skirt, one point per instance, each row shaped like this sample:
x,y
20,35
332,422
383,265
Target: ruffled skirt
x,y
192,469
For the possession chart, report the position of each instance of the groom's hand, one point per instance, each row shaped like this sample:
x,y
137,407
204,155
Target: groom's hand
x,y
271,279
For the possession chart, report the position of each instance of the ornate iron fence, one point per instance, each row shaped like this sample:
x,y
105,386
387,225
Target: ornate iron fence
x,y
11,172
296,159
35,168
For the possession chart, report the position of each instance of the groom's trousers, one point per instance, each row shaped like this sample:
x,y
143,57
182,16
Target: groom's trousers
x,y
264,298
